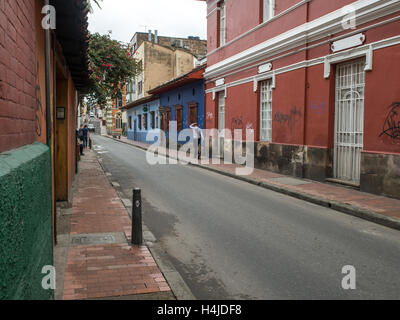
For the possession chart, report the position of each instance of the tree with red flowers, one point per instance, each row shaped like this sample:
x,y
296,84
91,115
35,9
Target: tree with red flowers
x,y
111,65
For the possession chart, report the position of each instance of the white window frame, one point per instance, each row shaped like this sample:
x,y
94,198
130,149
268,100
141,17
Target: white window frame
x,y
268,10
266,110
349,55
140,88
222,23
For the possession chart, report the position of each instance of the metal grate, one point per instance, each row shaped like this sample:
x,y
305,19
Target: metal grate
x,y
221,121
221,111
349,120
266,111
92,239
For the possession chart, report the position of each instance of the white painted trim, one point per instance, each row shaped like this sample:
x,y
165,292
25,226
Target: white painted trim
x,y
219,82
348,42
262,77
366,50
364,29
265,67
219,89
212,12
349,55
367,10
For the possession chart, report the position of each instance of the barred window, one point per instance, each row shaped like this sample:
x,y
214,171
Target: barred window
x,y
266,111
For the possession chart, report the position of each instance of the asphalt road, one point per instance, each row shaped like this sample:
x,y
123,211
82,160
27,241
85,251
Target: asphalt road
x,y
233,240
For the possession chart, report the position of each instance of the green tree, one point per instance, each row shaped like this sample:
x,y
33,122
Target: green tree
x,y
111,65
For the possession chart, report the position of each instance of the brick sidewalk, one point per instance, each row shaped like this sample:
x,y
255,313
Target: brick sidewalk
x,y
372,207
106,269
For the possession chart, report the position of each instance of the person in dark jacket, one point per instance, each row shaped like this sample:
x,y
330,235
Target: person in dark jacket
x,y
85,136
81,139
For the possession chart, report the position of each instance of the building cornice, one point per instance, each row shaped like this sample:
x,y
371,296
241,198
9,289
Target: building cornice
x,y
366,51
366,11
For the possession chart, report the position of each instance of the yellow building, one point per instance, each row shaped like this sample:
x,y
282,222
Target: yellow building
x,y
159,64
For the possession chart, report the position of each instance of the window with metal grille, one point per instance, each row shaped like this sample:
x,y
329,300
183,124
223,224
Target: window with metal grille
x,y
118,121
221,111
119,102
222,23
349,120
266,110
140,88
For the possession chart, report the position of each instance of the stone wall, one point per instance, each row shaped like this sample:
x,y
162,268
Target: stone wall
x,y
380,174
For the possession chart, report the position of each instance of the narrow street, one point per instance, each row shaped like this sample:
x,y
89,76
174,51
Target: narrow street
x,y
233,240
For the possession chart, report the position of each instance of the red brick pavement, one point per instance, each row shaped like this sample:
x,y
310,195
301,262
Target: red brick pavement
x,y
106,270
378,204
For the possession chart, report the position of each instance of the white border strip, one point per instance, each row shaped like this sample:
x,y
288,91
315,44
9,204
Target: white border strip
x,y
367,10
366,50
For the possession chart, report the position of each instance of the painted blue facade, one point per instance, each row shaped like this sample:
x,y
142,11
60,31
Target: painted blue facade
x,y
138,113
183,96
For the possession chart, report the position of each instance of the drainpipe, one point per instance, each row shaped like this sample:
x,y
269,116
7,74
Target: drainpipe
x,y
48,107
48,124
305,97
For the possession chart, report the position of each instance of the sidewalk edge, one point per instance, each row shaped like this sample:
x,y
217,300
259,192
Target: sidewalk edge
x,y
335,205
338,206
177,284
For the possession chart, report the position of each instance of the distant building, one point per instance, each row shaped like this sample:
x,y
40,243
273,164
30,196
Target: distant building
x,y
117,123
194,45
159,64
181,100
143,116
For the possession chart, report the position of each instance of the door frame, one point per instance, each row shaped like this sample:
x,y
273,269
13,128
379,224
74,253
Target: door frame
x,y
355,178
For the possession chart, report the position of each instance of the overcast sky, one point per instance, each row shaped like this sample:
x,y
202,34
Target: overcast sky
x,y
177,18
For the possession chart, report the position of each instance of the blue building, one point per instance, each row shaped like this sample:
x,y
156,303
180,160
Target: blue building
x,y
143,116
182,100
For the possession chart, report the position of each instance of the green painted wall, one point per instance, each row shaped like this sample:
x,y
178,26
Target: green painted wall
x,y
26,240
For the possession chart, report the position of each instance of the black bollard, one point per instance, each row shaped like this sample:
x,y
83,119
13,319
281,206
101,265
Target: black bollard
x,y
137,233
90,144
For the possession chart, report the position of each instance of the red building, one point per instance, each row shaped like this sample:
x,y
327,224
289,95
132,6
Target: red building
x,y
318,81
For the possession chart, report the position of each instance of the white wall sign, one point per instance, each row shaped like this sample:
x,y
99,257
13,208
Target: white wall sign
x,y
265,67
220,82
347,43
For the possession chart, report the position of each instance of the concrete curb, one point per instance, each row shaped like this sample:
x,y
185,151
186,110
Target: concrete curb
x,y
335,205
338,206
175,281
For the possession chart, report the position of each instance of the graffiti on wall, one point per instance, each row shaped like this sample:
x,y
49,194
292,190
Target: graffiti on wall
x,y
237,123
318,107
391,126
210,118
39,108
288,119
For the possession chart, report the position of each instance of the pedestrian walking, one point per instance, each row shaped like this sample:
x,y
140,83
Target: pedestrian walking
x,y
85,136
81,139
198,137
